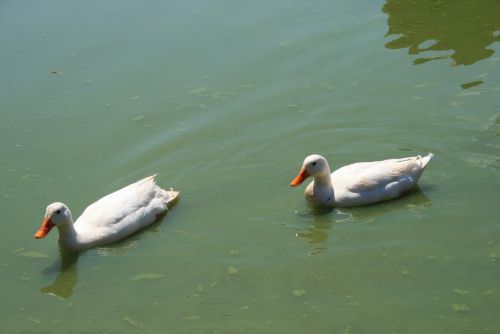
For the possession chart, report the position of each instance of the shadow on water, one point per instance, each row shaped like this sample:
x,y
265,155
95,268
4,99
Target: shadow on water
x,y
462,30
321,221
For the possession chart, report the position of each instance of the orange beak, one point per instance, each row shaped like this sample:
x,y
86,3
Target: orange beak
x,y
44,229
303,174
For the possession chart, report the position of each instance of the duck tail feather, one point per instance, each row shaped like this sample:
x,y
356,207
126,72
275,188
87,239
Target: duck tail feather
x,y
425,160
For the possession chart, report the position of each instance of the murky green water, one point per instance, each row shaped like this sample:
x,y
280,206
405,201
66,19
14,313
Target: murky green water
x,y
224,99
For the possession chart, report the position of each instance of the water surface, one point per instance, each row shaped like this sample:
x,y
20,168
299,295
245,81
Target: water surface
x,y
224,99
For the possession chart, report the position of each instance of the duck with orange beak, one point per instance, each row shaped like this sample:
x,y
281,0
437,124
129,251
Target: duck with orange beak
x,y
111,218
360,183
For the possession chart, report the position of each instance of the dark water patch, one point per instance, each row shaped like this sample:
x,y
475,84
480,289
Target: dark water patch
x,y
464,31
471,84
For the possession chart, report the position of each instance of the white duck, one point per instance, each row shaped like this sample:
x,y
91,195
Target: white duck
x,y
361,183
111,218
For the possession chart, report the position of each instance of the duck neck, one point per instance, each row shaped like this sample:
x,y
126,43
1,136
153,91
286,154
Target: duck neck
x,y
67,236
323,189
323,182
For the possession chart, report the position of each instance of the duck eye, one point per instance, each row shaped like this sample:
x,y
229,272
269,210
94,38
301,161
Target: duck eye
x,y
58,211
314,163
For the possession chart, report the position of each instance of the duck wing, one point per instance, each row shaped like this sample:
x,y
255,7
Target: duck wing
x,y
123,212
392,174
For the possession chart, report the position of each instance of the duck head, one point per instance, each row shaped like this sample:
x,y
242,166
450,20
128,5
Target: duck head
x,y
57,214
314,165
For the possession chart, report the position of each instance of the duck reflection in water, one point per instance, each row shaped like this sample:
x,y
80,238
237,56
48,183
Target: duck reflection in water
x,y
317,233
67,275
321,221
66,266
467,28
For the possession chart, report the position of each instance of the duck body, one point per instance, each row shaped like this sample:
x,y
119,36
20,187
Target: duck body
x,y
111,218
360,183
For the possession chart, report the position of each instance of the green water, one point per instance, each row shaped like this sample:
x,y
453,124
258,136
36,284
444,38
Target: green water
x,y
224,99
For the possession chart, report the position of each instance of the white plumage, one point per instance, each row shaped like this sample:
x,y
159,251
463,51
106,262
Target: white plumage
x,y
111,218
360,183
